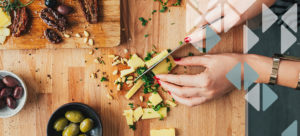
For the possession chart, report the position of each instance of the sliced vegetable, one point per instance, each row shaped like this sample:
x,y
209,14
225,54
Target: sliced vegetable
x,y
129,116
135,62
155,99
156,58
150,113
137,113
134,89
163,132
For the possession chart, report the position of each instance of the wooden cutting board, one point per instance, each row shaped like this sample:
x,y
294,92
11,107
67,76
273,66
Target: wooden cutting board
x,y
106,33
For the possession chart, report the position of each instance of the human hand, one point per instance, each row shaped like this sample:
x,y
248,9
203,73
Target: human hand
x,y
192,90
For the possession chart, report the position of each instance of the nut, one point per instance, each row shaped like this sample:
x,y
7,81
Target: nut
x,y
111,56
115,72
129,81
109,96
119,87
93,75
78,35
85,40
141,98
125,51
91,52
91,42
67,35
115,58
116,63
96,60
130,85
86,33
123,79
130,77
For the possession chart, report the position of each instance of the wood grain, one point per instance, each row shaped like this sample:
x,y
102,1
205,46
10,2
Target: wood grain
x,y
106,33
70,82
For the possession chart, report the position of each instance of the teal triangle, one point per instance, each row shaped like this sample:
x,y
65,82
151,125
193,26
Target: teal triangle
x,y
291,130
234,76
269,97
212,38
249,75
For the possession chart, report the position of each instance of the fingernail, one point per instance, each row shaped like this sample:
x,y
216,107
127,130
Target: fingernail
x,y
177,59
169,92
187,39
156,78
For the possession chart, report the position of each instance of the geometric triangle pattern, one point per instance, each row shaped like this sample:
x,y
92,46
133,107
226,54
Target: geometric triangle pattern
x,y
212,38
234,76
268,18
291,130
253,97
290,18
287,39
268,97
249,39
249,75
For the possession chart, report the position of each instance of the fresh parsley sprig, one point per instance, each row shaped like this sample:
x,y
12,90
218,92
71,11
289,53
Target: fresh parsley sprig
x,y
9,6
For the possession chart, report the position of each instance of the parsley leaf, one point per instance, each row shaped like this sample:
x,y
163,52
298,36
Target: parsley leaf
x,y
103,79
191,54
132,127
143,20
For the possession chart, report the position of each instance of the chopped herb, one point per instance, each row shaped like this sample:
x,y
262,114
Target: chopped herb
x,y
148,57
178,3
149,19
146,35
131,105
158,106
167,59
191,54
170,67
173,99
132,127
180,42
169,50
96,48
154,11
168,109
163,8
161,117
144,21
172,23
9,5
103,79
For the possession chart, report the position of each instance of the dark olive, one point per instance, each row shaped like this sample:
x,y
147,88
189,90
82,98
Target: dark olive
x,y
11,103
18,92
51,3
10,81
2,103
5,92
64,9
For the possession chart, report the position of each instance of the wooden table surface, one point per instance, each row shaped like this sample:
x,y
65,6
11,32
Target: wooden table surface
x,y
56,77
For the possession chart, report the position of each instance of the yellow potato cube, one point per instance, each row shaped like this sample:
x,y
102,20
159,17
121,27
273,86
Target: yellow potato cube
x,y
5,19
149,113
4,31
135,62
137,113
155,99
163,67
157,58
134,89
126,72
129,116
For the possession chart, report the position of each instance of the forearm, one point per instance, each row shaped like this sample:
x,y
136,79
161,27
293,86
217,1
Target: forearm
x,y
288,72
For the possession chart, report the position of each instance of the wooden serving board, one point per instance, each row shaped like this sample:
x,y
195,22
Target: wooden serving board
x,y
106,33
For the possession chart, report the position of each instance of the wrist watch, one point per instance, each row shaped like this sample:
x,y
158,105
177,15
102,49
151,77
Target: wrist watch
x,y
275,67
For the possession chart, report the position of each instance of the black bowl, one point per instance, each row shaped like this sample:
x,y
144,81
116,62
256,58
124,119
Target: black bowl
x,y
87,111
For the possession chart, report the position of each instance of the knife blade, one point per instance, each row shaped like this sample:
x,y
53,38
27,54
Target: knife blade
x,y
181,45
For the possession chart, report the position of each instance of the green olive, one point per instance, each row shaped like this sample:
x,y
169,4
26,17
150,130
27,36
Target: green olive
x,y
71,130
60,124
82,135
74,116
86,125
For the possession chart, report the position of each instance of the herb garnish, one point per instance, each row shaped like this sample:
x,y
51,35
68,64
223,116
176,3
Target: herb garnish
x,y
167,59
146,35
178,3
170,67
132,127
154,11
103,79
9,6
143,20
131,105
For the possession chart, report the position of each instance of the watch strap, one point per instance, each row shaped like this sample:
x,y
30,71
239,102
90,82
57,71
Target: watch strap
x,y
275,67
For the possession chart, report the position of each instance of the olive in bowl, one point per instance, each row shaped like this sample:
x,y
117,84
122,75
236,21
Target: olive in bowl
x,y
82,121
13,94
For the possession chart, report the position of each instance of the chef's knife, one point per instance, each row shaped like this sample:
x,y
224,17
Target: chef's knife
x,y
181,45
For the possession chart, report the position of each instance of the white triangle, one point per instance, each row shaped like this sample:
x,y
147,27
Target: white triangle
x,y
250,39
230,18
287,39
268,18
290,17
253,97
